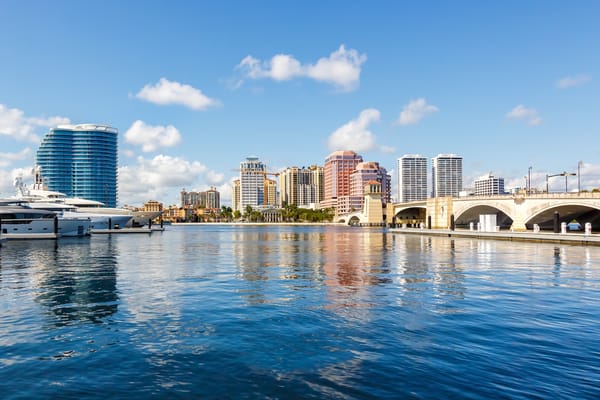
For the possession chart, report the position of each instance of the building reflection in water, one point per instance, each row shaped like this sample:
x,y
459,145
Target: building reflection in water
x,y
354,261
430,264
79,281
277,263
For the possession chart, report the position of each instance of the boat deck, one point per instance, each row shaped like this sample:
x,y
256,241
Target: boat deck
x,y
28,236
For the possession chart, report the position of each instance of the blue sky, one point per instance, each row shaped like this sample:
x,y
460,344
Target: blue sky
x,y
195,87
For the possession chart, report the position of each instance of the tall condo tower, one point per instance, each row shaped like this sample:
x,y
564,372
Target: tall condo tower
x,y
446,175
337,169
81,161
412,178
252,183
302,187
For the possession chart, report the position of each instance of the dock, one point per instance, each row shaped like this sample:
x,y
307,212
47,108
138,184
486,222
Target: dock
x,y
126,231
28,236
539,237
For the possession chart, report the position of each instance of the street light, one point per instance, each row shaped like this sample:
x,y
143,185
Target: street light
x,y
529,181
579,165
565,174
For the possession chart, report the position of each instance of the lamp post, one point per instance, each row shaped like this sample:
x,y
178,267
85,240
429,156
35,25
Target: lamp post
x,y
579,165
565,174
529,181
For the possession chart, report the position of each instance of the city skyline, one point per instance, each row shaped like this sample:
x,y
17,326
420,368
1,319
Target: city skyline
x,y
194,88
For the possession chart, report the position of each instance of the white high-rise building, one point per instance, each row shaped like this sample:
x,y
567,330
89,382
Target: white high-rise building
x,y
412,178
446,175
489,185
252,183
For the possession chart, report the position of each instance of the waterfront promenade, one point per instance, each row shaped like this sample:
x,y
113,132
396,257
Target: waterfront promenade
x,y
540,237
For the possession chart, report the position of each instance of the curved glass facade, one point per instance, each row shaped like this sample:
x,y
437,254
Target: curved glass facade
x,y
81,161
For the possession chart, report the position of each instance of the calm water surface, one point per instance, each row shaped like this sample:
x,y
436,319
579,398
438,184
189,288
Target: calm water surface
x,y
281,312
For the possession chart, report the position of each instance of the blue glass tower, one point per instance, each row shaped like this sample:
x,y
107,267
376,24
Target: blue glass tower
x,y
81,161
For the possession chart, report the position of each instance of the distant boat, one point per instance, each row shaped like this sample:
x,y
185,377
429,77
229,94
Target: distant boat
x,y
102,217
141,218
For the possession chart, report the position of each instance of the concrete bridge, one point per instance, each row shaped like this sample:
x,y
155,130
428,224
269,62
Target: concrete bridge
x,y
518,212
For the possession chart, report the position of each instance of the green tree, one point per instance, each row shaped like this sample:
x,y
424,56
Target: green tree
x,y
248,211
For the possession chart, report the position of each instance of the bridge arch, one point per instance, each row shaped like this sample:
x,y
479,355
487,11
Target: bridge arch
x,y
471,214
354,220
544,215
412,215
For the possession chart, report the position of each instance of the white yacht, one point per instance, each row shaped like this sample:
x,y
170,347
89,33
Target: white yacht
x,y
141,217
20,222
102,217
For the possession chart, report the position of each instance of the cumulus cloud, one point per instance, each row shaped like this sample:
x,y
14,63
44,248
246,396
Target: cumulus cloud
x,y
341,68
415,111
15,124
355,135
523,113
7,159
169,92
151,137
7,180
571,81
213,177
156,178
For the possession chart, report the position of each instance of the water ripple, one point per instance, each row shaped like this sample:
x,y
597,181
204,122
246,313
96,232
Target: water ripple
x,y
297,312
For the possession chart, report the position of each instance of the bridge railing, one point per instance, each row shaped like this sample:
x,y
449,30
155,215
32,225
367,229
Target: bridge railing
x,y
522,196
581,195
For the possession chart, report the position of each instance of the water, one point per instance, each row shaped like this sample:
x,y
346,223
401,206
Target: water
x,y
282,312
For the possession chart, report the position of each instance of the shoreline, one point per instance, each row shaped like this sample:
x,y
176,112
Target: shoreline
x,y
261,223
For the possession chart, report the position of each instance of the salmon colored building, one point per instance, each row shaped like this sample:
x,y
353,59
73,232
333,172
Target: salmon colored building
x,y
337,169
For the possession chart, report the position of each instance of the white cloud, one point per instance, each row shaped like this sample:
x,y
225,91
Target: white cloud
x,y
355,135
341,68
521,112
7,159
160,178
7,180
415,111
15,124
387,149
169,92
213,177
226,192
152,138
571,81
